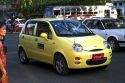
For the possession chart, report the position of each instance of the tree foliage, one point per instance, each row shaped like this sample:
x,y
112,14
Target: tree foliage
x,y
5,2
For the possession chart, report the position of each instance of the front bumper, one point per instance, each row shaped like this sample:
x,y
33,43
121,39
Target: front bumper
x,y
86,61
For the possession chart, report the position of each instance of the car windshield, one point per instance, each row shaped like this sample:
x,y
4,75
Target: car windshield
x,y
70,28
113,24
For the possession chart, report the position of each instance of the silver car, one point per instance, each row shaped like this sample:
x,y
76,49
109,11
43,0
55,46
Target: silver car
x,y
113,30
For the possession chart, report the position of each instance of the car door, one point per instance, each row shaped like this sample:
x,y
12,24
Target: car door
x,y
98,28
28,39
108,26
44,46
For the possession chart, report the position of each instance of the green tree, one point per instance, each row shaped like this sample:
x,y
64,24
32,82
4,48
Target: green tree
x,y
5,2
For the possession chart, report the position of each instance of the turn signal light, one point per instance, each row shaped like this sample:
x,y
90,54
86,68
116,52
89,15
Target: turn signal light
x,y
77,58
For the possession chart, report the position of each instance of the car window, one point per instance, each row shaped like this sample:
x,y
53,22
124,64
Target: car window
x,y
29,28
43,27
97,24
113,24
89,23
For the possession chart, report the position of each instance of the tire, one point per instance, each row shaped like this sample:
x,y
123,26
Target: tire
x,y
60,65
23,57
114,44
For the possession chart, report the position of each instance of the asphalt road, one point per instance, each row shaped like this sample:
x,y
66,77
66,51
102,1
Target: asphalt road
x,y
38,72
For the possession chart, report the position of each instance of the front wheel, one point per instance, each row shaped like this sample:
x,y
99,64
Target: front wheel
x,y
114,44
23,57
60,65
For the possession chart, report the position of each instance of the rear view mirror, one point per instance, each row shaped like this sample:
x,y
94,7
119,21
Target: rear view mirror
x,y
44,35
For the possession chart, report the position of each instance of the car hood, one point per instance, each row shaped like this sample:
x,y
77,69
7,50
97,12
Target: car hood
x,y
88,42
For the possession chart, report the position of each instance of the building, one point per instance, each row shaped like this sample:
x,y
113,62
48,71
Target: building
x,y
120,6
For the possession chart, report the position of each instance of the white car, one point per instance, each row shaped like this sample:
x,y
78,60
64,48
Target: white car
x,y
113,30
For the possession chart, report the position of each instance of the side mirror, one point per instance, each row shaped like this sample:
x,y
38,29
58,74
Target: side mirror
x,y
44,35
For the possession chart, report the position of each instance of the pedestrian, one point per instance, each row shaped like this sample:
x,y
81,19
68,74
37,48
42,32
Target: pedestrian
x,y
13,22
2,72
4,77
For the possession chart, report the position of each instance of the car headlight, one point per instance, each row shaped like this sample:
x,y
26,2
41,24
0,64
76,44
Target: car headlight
x,y
107,45
77,47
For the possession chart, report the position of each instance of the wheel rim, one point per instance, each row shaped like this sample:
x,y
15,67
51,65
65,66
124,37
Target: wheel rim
x,y
59,66
112,44
22,56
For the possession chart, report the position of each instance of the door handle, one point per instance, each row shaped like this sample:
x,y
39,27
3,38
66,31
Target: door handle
x,y
41,46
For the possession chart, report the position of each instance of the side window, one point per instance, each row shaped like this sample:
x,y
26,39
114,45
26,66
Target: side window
x,y
107,24
56,12
43,27
29,28
67,11
97,24
89,24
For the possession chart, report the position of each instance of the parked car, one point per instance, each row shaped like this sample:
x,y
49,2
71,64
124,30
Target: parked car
x,y
113,30
66,44
18,24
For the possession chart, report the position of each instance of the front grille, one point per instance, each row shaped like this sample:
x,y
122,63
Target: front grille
x,y
90,62
93,50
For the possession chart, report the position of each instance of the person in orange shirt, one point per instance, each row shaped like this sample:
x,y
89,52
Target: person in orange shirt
x,y
4,77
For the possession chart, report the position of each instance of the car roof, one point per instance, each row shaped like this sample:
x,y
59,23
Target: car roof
x,y
48,19
99,18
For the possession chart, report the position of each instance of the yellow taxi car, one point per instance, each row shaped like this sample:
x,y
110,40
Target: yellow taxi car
x,y
66,44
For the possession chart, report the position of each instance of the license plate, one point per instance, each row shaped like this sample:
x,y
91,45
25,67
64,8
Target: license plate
x,y
96,57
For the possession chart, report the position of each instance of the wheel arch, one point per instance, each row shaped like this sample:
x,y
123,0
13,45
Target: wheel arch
x,y
21,47
112,37
60,54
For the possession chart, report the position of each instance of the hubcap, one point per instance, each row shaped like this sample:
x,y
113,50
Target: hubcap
x,y
112,44
22,56
59,66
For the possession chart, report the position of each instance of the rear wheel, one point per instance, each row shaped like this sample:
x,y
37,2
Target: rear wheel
x,y
23,57
114,44
60,65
